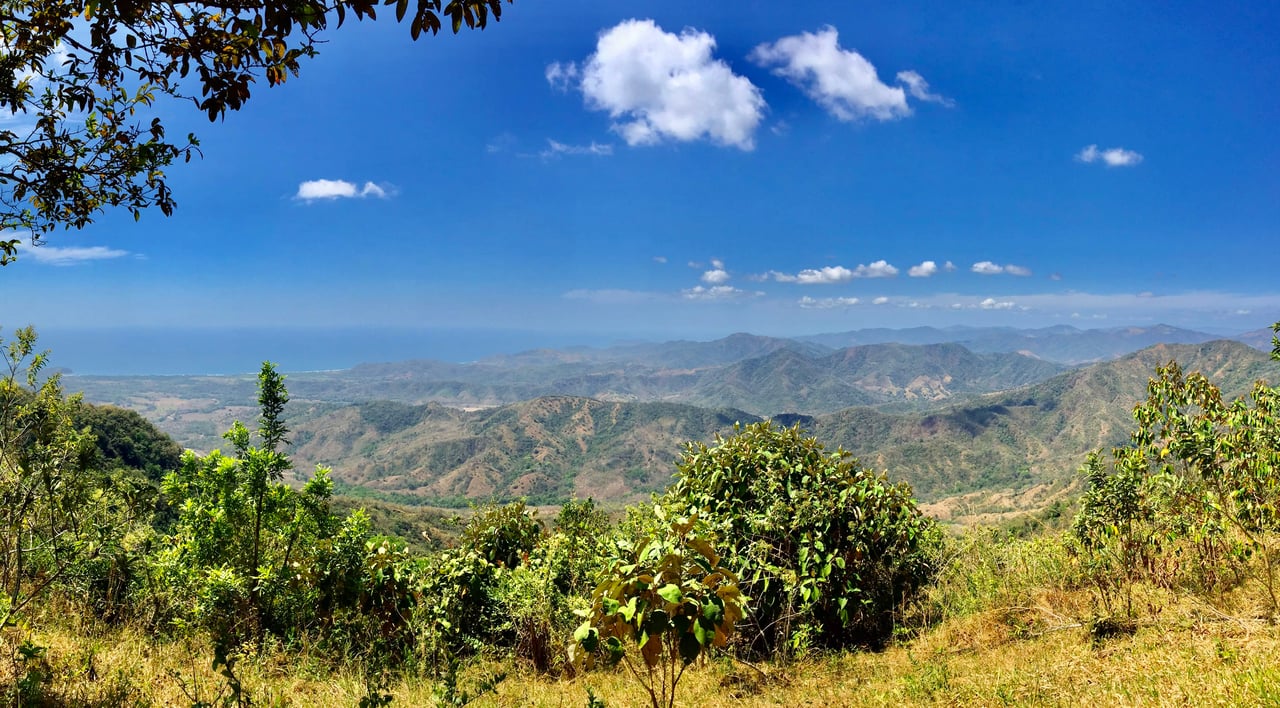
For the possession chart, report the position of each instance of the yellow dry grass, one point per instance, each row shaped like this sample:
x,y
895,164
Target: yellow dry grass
x,y
1188,654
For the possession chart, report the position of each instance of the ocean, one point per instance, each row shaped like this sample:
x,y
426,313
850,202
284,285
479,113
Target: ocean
x,y
170,351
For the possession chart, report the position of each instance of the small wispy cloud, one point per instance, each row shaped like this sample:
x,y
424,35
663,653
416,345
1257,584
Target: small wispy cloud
x,y
717,292
68,255
557,149
993,304
659,259
500,143
827,303
1111,157
329,189
919,89
990,268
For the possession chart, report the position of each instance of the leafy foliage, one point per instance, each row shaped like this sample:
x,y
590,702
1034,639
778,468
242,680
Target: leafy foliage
x,y
46,502
673,598
124,438
825,548
247,547
1199,476
87,73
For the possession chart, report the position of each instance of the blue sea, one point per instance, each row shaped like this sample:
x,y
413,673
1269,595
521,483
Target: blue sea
x,y
155,351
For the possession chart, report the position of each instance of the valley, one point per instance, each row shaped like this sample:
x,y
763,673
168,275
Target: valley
x,y
988,435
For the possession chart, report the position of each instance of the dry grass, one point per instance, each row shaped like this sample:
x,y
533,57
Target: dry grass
x,y
1038,654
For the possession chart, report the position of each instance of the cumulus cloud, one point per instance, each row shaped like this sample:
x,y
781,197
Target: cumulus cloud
x,y
840,80
949,266
880,300
316,189
826,303
556,149
924,270
69,255
715,276
919,88
989,268
835,274
717,263
659,86
1111,157
878,269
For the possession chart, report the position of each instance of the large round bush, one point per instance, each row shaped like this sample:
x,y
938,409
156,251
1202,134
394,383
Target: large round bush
x,y
825,548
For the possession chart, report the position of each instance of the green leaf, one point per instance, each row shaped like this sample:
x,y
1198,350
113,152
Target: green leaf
x,y
671,593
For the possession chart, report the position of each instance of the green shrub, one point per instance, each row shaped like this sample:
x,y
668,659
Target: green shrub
x,y
825,548
671,597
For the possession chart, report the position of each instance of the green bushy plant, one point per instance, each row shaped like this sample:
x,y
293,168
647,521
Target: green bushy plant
x,y
1193,499
826,548
669,596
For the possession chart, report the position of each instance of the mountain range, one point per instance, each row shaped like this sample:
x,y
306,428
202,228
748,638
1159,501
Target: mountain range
x,y
609,423
551,448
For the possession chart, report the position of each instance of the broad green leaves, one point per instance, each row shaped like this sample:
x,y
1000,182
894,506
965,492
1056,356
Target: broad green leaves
x,y
670,599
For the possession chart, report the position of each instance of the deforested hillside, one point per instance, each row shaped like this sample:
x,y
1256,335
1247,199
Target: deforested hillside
x,y
545,449
1036,433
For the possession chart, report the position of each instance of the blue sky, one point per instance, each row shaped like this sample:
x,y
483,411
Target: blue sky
x,y
667,169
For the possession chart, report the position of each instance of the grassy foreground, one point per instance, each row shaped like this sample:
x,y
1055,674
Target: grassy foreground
x,y
1184,652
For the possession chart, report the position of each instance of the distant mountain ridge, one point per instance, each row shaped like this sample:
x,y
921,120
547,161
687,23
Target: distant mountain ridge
x,y
1060,343
554,447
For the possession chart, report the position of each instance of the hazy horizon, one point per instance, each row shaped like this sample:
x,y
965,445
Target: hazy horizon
x,y
166,351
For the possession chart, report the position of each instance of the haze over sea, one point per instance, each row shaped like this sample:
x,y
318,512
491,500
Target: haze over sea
x,y
176,351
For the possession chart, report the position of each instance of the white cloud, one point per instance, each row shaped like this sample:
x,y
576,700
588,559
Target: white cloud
x,y
919,88
989,268
659,259
717,292
880,300
1111,157
992,304
878,269
556,149
924,270
562,76
840,80
659,86
312,190
826,303
717,263
715,277
821,276
69,255
949,266
835,274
